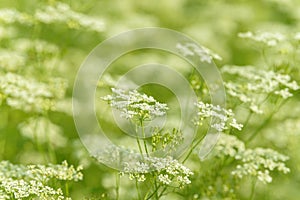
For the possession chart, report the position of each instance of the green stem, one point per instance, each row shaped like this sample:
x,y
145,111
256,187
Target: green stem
x,y
252,190
140,147
67,188
144,138
192,149
117,185
38,143
137,189
248,119
153,193
156,189
51,151
264,124
138,142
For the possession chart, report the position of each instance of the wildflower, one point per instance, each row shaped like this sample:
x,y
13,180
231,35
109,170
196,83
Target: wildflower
x,y
35,181
270,39
190,49
135,106
43,130
222,117
251,84
169,171
62,13
30,95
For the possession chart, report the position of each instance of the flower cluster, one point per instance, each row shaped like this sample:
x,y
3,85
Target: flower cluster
x,y
228,145
35,181
62,13
256,162
43,131
9,16
222,118
191,49
6,32
267,38
135,106
168,171
253,82
50,14
259,162
11,60
166,141
41,47
30,95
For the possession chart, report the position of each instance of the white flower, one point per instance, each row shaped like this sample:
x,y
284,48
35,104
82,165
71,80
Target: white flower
x,y
221,117
270,39
164,178
191,49
135,106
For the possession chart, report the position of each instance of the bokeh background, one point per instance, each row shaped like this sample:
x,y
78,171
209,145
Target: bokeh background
x,y
70,35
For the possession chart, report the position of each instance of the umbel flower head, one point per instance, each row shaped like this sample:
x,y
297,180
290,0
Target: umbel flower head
x,y
169,171
251,84
135,106
258,162
35,181
222,118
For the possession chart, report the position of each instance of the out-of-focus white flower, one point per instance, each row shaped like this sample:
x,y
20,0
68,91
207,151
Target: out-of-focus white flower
x,y
30,95
191,49
250,83
62,13
270,39
43,130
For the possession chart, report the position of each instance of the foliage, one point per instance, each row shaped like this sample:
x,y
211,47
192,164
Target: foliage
x,y
255,46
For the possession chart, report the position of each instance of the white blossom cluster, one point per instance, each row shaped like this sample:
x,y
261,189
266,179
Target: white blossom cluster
x,y
39,46
254,82
11,60
30,95
267,38
191,49
6,32
169,171
9,16
43,131
49,14
136,106
222,118
258,162
229,145
21,52
35,181
62,13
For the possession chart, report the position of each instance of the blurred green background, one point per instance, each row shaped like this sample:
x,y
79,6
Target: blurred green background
x,y
214,24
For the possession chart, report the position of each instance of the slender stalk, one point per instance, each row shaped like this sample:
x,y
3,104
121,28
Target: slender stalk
x,y
192,149
117,185
248,118
153,193
264,124
252,190
138,142
140,147
137,189
51,151
67,188
144,138
156,189
38,143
